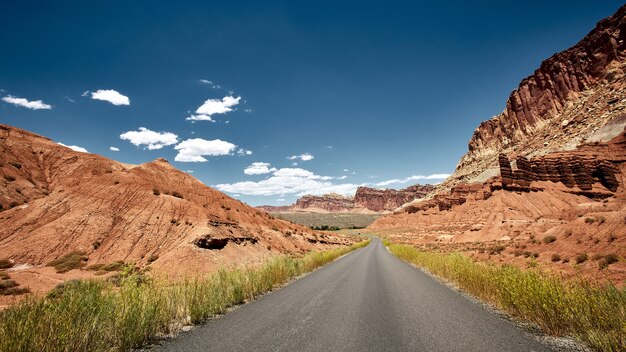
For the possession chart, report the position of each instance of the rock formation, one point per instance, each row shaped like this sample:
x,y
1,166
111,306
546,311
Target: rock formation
x,y
55,201
331,202
366,199
564,102
380,200
591,170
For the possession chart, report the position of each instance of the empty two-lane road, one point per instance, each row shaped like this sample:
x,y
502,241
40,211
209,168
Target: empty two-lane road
x,y
368,300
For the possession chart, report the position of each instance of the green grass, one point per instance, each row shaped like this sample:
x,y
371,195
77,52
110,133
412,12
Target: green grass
x,y
595,313
95,315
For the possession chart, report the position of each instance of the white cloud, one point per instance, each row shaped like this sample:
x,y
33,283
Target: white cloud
x,y
114,149
412,178
342,177
210,83
153,140
214,106
345,170
70,99
289,181
280,199
259,168
75,148
110,95
199,117
33,105
190,171
194,150
241,151
303,157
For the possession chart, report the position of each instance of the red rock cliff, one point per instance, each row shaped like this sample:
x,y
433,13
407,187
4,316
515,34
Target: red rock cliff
x,y
568,98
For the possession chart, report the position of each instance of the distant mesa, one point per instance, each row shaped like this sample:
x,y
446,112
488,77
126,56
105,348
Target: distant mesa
x,y
366,200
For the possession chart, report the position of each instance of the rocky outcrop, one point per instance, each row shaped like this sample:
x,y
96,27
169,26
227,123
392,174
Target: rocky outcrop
x,y
388,199
591,170
331,202
366,199
569,97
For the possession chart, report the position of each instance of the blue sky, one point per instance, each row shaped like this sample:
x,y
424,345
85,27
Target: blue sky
x,y
304,97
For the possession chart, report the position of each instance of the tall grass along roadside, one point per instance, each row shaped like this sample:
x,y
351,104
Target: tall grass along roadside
x,y
95,315
594,313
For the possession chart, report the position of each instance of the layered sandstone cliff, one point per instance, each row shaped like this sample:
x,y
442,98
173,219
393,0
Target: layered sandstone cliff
x,y
565,102
366,199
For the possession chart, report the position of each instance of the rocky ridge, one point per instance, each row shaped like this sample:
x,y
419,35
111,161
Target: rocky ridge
x,y
564,103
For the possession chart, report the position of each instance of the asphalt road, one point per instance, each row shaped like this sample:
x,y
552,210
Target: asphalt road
x,y
368,300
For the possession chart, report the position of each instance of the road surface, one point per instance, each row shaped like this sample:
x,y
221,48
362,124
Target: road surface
x,y
368,300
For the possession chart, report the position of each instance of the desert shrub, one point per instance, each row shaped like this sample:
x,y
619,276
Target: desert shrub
x,y
612,237
152,258
15,291
581,258
549,239
156,192
70,261
5,264
596,256
9,178
4,275
608,260
15,164
567,233
13,204
497,249
601,220
555,258
590,220
4,284
518,252
96,244
177,195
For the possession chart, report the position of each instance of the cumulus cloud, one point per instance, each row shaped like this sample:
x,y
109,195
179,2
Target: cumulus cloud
x,y
259,168
194,150
241,151
75,148
289,181
110,95
412,178
214,106
303,157
33,105
114,149
151,139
